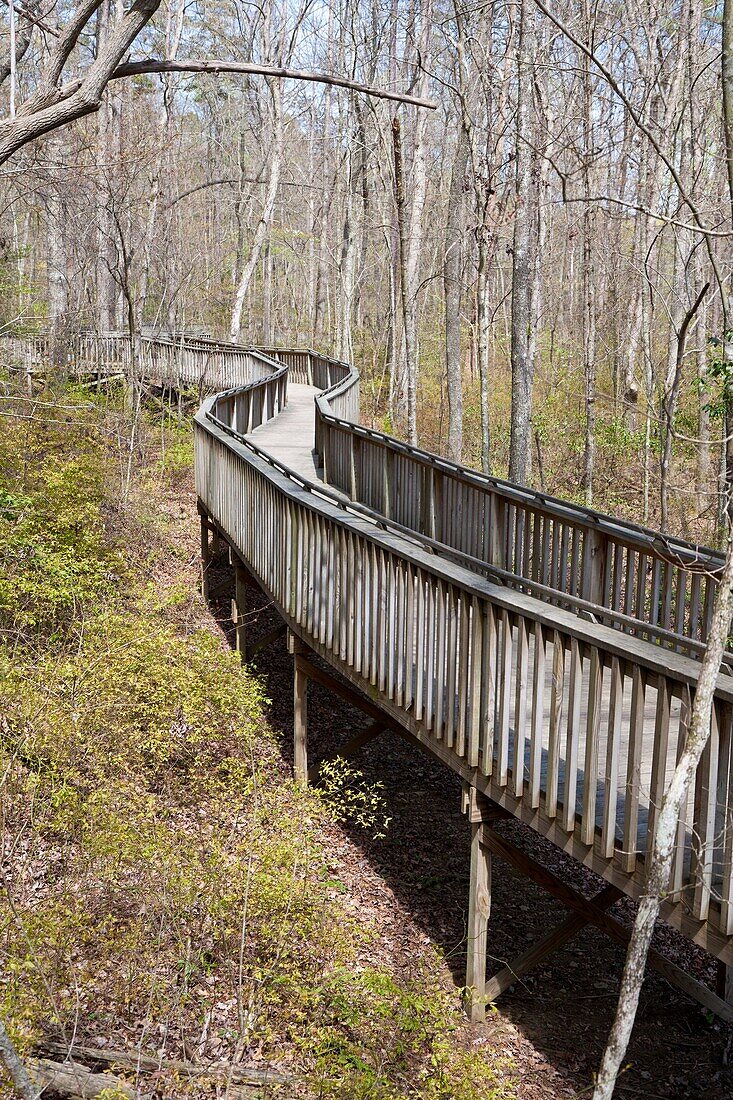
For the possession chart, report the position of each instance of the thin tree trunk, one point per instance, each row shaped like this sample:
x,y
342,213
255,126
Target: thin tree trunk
x,y
520,445
408,311
263,225
665,835
452,270
16,1070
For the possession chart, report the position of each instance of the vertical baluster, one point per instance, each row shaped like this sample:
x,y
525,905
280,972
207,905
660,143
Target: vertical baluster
x,y
450,690
633,771
555,553
505,688
409,634
694,629
474,712
429,717
537,547
579,537
573,736
441,659
499,531
562,579
613,748
464,675
656,592
420,655
538,715
384,624
641,582
710,588
488,689
660,750
398,648
556,702
680,601
545,553
592,738
520,706
629,581
615,600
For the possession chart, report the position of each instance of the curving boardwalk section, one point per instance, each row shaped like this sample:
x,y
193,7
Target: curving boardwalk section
x,y
543,652
547,654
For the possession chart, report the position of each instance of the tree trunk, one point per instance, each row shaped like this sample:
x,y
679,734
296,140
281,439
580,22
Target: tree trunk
x,y
263,225
665,835
520,445
452,272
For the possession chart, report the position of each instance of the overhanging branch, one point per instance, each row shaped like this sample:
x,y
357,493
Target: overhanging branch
x,y
140,68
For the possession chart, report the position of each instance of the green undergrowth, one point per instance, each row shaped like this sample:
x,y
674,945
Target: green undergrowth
x,y
164,882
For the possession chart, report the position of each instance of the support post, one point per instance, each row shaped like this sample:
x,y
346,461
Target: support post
x,y
239,610
724,983
479,909
205,557
300,711
594,567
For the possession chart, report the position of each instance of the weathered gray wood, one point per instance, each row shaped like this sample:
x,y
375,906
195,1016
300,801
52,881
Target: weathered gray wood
x,y
413,643
300,713
479,910
75,1080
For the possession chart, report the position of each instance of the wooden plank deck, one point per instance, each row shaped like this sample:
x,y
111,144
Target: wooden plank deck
x,y
289,438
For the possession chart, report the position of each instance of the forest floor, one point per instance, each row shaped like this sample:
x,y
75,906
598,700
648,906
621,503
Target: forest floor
x,y
413,886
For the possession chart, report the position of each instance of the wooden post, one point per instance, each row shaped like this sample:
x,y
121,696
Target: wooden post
x,y
300,711
594,567
724,983
497,531
239,610
479,908
205,557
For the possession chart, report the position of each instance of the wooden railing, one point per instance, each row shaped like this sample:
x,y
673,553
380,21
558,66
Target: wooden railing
x,y
573,726
635,579
198,364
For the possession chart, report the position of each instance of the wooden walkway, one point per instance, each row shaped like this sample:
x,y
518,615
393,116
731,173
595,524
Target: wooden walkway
x,y
289,439
546,653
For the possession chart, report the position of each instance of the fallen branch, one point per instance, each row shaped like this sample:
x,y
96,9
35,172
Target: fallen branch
x,y
71,1079
132,1062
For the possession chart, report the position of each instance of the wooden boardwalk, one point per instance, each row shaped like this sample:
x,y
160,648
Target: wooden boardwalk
x,y
289,440
545,653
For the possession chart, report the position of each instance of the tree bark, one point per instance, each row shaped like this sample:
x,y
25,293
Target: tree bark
x,y
17,1072
520,444
660,860
263,225
452,272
